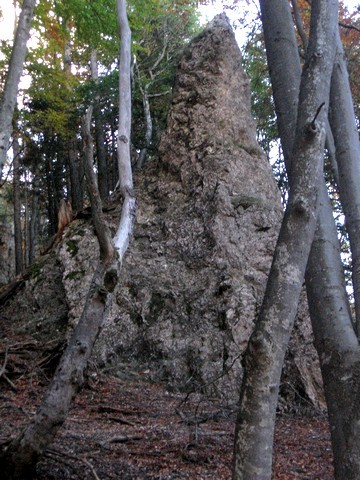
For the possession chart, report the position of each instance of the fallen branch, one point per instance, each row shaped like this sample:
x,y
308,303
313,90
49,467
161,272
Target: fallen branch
x,y
2,371
72,457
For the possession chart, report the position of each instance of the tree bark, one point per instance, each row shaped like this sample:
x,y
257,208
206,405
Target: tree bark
x,y
19,460
99,135
8,101
265,354
346,137
19,264
124,232
33,225
329,306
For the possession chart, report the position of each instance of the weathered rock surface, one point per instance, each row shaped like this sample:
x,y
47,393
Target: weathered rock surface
x,y
208,220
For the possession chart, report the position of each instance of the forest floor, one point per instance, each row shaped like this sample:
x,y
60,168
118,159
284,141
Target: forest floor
x,y
130,429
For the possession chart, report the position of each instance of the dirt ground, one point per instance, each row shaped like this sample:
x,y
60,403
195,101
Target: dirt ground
x,y
130,429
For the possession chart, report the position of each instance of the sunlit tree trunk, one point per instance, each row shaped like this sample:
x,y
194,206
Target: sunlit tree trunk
x,y
8,100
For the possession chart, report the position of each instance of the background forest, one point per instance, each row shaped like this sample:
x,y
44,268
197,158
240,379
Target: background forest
x,y
71,156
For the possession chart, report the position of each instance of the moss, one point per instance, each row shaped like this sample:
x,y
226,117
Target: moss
x,y
75,275
35,270
245,201
72,247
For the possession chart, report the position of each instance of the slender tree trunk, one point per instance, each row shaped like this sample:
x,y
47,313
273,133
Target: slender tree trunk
x,y
20,458
8,100
124,232
329,307
265,354
99,135
17,207
33,226
149,127
77,194
346,137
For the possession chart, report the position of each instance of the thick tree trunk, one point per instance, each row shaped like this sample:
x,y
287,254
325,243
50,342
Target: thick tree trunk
x,y
336,344
265,354
329,307
8,101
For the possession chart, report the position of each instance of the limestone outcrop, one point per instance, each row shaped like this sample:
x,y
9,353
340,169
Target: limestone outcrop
x,y
208,220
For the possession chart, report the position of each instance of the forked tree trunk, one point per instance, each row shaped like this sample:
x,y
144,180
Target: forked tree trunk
x,y
20,458
265,354
9,95
335,338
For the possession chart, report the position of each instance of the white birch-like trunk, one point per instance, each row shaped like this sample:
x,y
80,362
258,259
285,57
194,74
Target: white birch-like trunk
x,y
126,226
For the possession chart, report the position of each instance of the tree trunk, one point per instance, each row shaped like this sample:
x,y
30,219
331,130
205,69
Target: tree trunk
x,y
124,232
9,96
265,354
99,135
33,225
20,459
17,208
149,127
329,307
77,194
346,137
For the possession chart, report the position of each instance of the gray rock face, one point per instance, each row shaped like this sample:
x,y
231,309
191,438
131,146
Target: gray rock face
x,y
208,220
206,229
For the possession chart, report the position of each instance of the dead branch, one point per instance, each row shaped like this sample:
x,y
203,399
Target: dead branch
x,y
350,26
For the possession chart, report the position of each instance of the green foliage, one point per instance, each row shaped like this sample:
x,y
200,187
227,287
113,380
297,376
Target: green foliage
x,y
72,247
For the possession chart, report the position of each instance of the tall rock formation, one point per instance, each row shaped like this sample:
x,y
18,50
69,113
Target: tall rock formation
x,y
206,230
208,220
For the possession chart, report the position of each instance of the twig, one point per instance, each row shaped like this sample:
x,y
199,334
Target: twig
x,y
122,420
2,371
350,26
12,385
124,438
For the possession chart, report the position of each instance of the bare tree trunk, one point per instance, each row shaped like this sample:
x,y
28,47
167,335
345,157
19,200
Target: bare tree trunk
x,y
346,137
149,127
265,354
20,458
99,135
17,208
124,232
77,194
33,225
8,100
335,338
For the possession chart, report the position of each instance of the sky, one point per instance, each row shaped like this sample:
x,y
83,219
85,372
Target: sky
x,y
207,11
